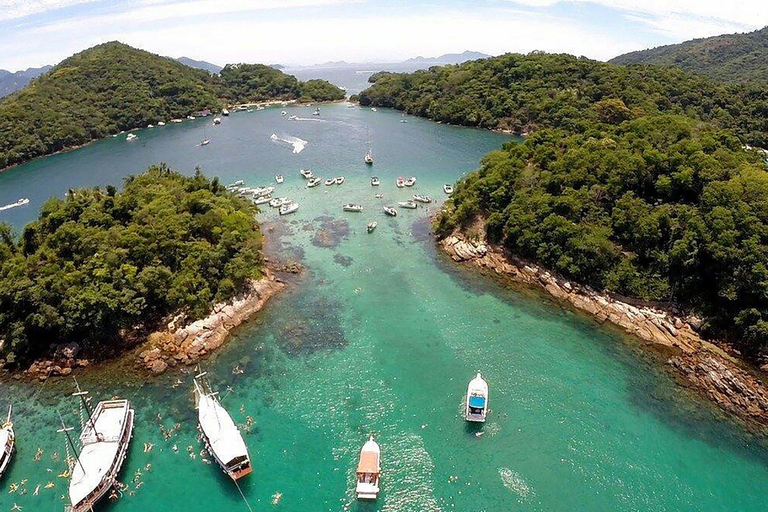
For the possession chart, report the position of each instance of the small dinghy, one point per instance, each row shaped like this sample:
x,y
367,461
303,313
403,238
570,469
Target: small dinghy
x,y
400,182
339,180
410,181
330,181
306,174
368,471
411,205
448,188
7,443
220,435
375,181
372,226
477,399
279,178
422,199
390,211
288,208
352,207
313,182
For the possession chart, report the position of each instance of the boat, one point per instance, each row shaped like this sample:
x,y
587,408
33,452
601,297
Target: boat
x,y
191,118
448,188
372,225
161,123
368,158
289,208
378,196
20,202
330,181
259,192
477,399
279,178
225,112
216,120
390,211
131,136
316,112
368,471
410,181
150,126
403,121
411,205
238,183
400,182
105,439
220,435
306,173
177,120
283,113
375,181
262,200
260,107
205,142
422,199
277,202
7,442
313,182
352,207
373,109
339,180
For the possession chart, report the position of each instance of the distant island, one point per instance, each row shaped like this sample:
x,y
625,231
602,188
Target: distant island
x,y
12,82
445,59
214,69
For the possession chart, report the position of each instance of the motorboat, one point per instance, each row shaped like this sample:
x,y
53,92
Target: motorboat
x,y
279,178
373,109
316,112
262,200
205,142
375,181
7,442
191,118
177,120
477,399
216,120
238,183
150,126
161,123
330,181
352,207
313,182
400,182
410,181
20,202
262,191
448,188
131,136
368,471
339,180
306,173
283,113
220,435
372,225
411,205
225,112
277,202
288,208
105,439
368,158
390,211
422,199
378,196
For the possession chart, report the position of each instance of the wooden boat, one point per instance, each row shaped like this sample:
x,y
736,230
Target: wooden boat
x,y
477,400
368,471
105,439
7,443
372,225
220,434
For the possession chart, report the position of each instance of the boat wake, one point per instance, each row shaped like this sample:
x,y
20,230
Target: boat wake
x,y
297,143
20,202
515,483
315,119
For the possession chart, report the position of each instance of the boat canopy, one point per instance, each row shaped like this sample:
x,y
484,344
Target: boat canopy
x,y
477,402
369,462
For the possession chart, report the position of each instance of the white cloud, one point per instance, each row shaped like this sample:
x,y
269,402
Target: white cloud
x,y
13,9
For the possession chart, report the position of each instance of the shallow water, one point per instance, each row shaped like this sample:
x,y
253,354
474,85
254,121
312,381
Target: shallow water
x,y
381,335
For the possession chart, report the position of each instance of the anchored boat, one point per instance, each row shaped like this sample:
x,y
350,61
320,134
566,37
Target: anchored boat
x,y
372,225
7,443
279,178
411,205
368,471
369,158
375,181
477,399
390,211
352,207
306,173
410,181
400,182
339,180
220,434
448,188
422,199
330,181
288,208
313,182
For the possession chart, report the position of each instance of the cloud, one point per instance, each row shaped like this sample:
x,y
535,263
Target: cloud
x,y
14,9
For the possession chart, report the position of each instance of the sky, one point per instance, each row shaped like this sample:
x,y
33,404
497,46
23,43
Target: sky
x,y
303,32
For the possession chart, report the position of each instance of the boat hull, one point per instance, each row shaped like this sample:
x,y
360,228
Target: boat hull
x,y
8,452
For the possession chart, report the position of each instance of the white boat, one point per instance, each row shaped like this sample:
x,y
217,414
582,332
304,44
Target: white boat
x,y
220,434
238,183
368,471
216,120
330,181
373,109
410,181
477,399
20,202
7,443
289,208
378,196
283,113
316,112
225,112
276,202
368,158
313,182
411,205
262,200
422,199
279,178
372,225
105,439
177,120
260,107
400,182
191,118
205,142
352,207
448,188
131,136
160,123
375,181
150,126
263,191
339,180
306,173
390,211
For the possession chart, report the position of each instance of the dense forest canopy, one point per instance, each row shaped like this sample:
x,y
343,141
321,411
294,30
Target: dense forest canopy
x,y
726,58
114,87
102,265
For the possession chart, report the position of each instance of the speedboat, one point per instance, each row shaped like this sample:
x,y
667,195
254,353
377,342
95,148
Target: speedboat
x,y
225,112
477,399
400,182
7,443
368,158
448,188
339,180
422,199
411,205
131,136
220,435
306,173
279,178
330,181
368,471
216,120
372,226
313,182
262,200
288,208
410,181
352,207
390,211
375,181
259,192
20,202
205,142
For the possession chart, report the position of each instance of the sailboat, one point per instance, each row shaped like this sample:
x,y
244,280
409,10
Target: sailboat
x,y
206,140
7,442
220,434
368,471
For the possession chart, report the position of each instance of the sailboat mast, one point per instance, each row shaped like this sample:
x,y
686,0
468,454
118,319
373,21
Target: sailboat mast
x,y
66,431
10,408
82,395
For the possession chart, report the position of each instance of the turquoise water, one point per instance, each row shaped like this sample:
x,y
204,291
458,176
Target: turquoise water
x,y
381,335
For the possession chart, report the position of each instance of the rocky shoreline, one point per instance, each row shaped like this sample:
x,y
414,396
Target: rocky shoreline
x,y
703,366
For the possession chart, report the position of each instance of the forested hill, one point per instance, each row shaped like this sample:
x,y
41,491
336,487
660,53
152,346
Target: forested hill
x,y
727,58
114,87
